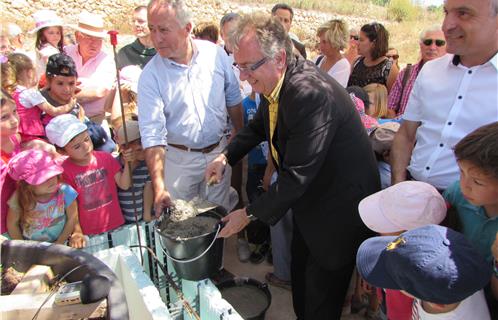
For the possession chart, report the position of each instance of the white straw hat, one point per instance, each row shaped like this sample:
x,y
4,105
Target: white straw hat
x,y
46,18
91,24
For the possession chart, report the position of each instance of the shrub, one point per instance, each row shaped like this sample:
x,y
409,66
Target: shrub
x,y
401,10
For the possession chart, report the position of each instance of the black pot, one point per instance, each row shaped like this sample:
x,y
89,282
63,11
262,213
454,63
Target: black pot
x,y
23,254
249,297
190,256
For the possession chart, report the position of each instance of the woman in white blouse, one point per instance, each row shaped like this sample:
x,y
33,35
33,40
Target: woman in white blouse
x,y
334,37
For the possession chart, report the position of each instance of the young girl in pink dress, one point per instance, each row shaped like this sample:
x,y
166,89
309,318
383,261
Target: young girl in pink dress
x,y
10,146
19,80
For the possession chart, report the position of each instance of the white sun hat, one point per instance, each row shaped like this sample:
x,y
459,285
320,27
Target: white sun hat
x,y
46,18
91,24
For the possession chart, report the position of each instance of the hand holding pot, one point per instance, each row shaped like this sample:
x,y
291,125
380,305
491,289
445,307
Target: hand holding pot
x,y
215,170
234,222
162,200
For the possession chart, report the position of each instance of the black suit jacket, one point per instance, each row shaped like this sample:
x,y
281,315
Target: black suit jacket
x,y
299,47
326,163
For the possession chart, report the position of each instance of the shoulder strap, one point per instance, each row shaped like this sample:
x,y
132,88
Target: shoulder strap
x,y
320,57
406,76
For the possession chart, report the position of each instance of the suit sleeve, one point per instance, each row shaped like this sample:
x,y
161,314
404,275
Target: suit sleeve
x,y
308,116
247,138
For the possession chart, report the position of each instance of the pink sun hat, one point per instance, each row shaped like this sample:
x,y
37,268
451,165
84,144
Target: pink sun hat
x,y
33,166
46,18
404,206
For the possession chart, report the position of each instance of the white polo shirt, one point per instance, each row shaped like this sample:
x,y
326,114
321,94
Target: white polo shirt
x,y
450,100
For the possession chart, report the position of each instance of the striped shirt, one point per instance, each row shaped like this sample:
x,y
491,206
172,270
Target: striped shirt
x,y
140,176
398,96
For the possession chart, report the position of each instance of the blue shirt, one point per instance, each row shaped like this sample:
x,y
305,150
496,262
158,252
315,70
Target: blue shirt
x,y
476,225
140,176
187,104
257,156
46,221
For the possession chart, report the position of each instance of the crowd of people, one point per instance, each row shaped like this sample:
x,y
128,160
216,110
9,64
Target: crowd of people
x,y
368,187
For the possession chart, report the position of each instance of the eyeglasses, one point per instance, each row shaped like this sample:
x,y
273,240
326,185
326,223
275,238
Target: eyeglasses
x,y
352,37
252,67
393,56
439,42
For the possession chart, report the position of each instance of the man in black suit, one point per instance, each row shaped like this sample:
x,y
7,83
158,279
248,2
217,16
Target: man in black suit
x,y
324,160
284,13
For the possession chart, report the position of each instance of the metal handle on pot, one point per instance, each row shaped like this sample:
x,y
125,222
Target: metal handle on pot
x,y
199,256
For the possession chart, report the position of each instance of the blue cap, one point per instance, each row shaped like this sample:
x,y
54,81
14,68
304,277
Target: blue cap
x,y
100,139
432,263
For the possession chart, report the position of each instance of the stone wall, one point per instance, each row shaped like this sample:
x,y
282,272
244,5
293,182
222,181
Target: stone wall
x,y
117,13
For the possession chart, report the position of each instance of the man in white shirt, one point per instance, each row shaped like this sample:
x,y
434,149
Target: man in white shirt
x,y
452,96
185,94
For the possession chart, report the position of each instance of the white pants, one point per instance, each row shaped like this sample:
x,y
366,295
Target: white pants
x,y
184,176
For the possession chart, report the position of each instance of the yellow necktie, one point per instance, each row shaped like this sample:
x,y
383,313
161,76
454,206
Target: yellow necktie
x,y
273,110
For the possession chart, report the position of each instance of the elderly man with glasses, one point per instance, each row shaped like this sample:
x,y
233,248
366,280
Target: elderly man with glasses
x,y
432,46
185,94
323,157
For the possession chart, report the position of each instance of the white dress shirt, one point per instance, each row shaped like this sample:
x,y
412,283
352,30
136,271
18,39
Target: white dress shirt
x,y
450,101
187,104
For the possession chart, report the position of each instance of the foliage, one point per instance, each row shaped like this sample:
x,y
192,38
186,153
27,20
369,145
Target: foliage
x,y
402,10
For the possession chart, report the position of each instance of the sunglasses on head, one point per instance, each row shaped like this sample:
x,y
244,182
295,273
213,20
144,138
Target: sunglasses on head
x,y
439,42
352,37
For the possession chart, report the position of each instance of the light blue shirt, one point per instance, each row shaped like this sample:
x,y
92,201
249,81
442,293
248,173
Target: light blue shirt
x,y
187,104
479,229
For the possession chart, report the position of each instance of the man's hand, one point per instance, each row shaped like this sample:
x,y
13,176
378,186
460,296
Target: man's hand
x,y
162,200
215,170
235,222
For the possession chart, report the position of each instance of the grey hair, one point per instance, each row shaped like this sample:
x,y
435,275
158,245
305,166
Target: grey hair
x,y
433,28
182,14
231,16
270,35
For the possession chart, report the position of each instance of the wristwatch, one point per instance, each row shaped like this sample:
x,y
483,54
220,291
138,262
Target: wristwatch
x,y
252,217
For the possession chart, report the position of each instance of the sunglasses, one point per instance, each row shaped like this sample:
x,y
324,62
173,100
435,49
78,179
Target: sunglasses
x,y
252,67
439,42
393,56
354,37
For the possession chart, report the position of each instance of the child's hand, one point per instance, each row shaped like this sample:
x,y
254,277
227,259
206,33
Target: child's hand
x,y
128,155
77,240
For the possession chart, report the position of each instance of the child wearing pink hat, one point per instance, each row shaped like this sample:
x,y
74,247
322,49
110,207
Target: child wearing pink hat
x,y
404,206
42,208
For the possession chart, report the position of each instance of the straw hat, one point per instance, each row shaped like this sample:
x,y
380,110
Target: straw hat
x,y
91,24
46,18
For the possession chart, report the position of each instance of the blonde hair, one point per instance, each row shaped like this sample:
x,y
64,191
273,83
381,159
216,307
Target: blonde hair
x,y
379,93
336,32
27,200
15,65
